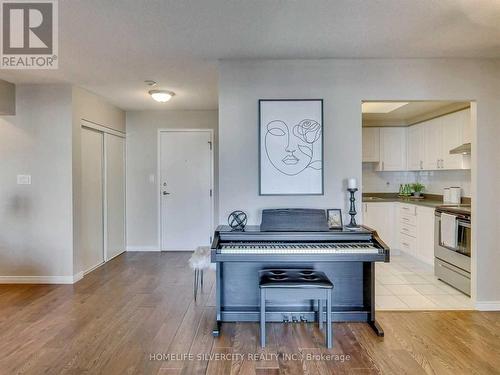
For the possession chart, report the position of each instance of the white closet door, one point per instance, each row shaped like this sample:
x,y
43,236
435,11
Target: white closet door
x,y
115,195
92,221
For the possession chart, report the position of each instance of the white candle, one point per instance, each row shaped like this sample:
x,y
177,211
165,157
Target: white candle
x,y
352,184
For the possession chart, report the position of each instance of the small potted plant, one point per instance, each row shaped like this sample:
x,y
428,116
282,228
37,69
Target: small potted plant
x,y
418,189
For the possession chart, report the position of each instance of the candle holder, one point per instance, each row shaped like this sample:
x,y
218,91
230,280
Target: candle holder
x,y
352,209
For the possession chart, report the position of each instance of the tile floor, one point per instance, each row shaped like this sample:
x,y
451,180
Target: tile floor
x,y
407,283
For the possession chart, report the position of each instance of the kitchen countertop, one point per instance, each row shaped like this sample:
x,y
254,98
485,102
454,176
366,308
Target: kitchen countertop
x,y
419,202
429,200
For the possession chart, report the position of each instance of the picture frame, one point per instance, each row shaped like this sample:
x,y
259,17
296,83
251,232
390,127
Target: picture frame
x,y
291,147
334,218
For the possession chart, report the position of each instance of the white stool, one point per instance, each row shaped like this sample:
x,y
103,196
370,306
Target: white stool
x,y
200,261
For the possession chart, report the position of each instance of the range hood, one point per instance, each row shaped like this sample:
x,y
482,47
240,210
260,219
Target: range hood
x,y
462,149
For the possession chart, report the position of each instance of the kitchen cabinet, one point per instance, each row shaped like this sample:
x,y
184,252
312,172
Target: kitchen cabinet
x,y
466,123
452,136
440,136
371,144
407,228
433,140
425,234
416,228
416,151
403,227
380,216
392,149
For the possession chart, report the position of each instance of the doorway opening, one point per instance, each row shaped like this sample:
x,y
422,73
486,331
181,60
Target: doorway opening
x,y
416,186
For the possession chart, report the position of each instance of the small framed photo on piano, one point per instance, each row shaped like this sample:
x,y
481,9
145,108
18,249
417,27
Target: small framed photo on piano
x,y
334,218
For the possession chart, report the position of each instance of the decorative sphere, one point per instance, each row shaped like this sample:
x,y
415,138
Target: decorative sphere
x,y
237,220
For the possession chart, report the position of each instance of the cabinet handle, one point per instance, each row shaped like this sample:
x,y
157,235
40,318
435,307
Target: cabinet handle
x,y
405,229
421,164
382,165
405,219
405,244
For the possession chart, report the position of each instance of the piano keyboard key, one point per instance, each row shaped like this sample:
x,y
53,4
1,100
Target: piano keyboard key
x,y
300,249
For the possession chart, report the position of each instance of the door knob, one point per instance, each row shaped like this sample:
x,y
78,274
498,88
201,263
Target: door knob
x,y
166,193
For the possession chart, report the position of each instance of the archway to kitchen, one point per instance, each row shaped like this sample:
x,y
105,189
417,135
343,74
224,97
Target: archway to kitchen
x,y
417,193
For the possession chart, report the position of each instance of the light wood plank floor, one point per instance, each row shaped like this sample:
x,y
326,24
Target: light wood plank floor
x,y
128,316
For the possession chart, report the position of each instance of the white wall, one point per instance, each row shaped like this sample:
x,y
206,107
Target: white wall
x,y
434,181
36,231
142,194
343,84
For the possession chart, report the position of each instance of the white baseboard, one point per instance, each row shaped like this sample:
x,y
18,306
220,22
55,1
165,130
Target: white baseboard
x,y
142,248
78,277
41,279
488,305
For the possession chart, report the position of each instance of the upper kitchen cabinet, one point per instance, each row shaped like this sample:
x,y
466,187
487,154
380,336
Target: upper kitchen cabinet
x,y
453,136
392,149
466,121
441,135
416,150
433,140
371,145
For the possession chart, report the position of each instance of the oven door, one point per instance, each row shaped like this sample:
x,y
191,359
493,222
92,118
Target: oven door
x,y
459,256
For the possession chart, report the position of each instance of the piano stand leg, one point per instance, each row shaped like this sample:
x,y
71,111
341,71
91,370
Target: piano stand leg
x,y
216,329
377,328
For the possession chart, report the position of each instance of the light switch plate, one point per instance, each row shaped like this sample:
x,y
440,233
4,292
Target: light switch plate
x,y
23,179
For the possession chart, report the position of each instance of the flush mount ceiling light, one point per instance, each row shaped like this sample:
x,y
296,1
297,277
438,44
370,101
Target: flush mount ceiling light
x,y
161,96
381,107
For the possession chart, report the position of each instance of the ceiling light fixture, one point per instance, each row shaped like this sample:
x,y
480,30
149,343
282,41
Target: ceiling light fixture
x,y
381,107
161,96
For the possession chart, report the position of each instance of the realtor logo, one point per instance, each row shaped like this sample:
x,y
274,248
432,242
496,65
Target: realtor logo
x,y
29,34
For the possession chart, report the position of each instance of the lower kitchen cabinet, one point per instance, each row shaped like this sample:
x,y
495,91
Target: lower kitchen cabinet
x,y
403,227
425,234
381,216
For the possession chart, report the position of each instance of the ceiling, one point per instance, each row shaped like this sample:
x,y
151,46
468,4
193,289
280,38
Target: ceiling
x,y
111,46
412,113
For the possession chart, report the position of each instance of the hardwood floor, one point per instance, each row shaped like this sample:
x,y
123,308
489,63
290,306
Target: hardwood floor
x,y
128,316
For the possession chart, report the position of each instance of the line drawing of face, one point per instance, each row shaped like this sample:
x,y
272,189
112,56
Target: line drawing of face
x,y
287,152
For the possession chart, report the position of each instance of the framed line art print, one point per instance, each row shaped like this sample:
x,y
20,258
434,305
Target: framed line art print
x,y
291,147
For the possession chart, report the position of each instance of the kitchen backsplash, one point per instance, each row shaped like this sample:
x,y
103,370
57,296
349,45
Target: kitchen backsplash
x,y
434,181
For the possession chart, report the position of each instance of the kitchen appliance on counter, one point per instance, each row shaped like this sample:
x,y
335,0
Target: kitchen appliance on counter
x,y
452,195
452,248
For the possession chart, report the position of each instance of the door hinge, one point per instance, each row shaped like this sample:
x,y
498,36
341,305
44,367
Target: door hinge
x,y
210,144
210,192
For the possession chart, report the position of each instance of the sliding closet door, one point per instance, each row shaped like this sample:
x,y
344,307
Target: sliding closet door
x,y
115,195
92,221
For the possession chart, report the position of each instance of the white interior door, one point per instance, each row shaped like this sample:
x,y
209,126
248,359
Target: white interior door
x,y
185,189
115,195
92,221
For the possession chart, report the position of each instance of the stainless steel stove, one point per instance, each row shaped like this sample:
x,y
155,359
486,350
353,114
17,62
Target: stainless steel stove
x,y
452,264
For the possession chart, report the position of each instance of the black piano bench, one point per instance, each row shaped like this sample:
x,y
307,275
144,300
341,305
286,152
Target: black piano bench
x,y
285,284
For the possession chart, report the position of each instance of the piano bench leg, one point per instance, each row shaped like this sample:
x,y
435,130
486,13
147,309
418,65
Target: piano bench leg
x,y
320,313
262,318
329,330
196,282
